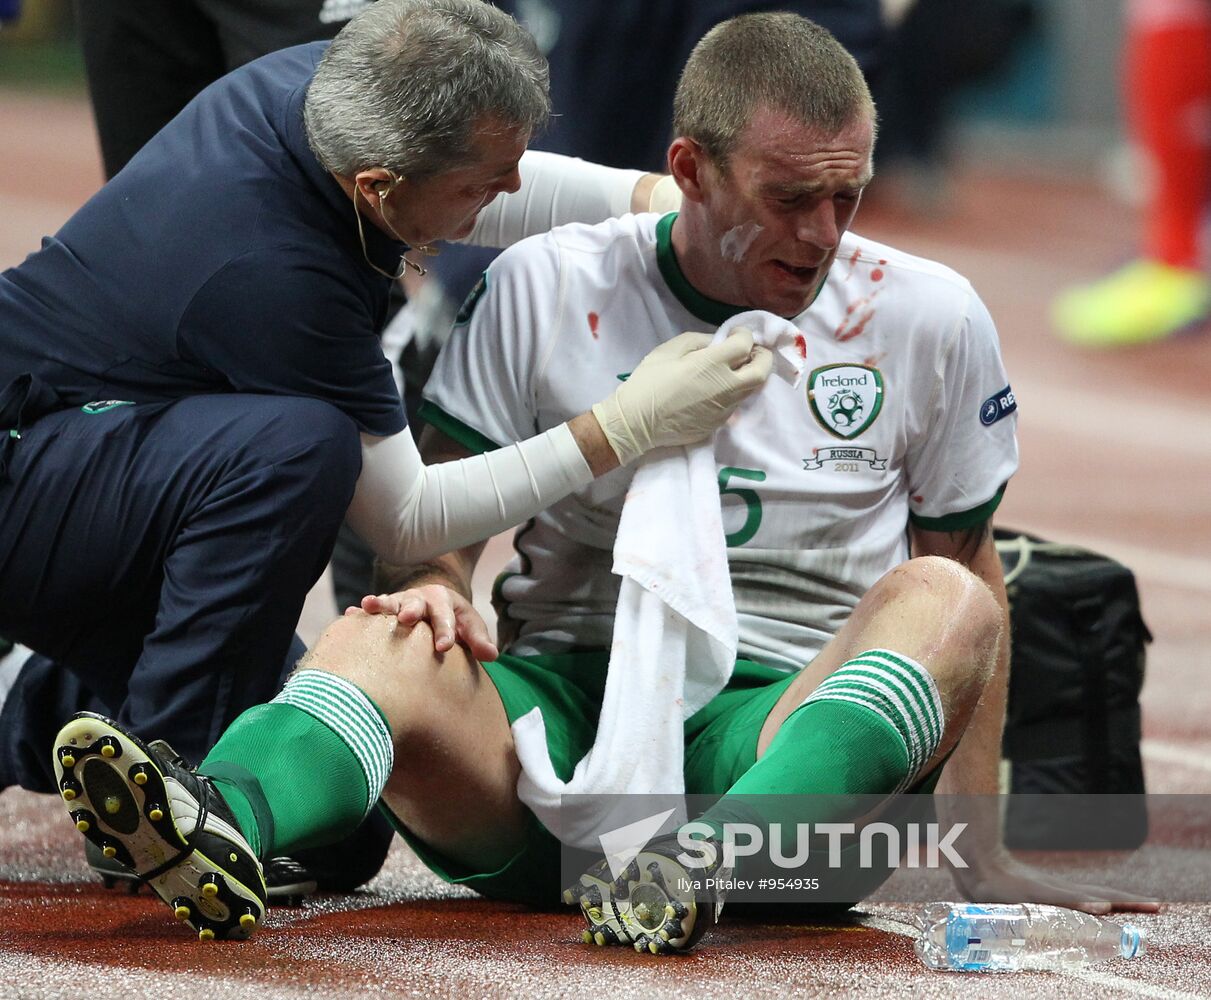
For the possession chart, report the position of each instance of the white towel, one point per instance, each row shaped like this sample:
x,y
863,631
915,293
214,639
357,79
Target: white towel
x,y
675,628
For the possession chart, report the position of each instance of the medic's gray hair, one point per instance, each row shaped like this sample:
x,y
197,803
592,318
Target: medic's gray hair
x,y
406,82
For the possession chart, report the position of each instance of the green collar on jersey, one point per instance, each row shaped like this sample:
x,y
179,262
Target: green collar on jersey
x,y
709,310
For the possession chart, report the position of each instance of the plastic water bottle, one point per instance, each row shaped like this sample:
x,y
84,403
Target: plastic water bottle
x,y
974,937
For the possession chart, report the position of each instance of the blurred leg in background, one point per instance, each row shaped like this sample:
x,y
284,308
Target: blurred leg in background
x,y
146,59
1167,76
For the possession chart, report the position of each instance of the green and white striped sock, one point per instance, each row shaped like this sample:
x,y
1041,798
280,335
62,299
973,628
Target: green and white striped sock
x,y
306,768
899,691
868,729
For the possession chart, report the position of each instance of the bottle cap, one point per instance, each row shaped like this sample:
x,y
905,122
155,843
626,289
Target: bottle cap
x,y
1132,942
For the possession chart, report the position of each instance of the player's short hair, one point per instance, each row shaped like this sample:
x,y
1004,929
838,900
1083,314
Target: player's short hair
x,y
776,60
404,82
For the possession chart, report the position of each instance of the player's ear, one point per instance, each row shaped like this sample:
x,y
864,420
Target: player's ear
x,y
688,163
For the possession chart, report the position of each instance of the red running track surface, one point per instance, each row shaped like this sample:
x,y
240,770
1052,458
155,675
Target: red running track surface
x,y
1116,454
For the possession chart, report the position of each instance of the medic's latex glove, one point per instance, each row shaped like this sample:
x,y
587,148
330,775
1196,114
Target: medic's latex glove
x,y
681,392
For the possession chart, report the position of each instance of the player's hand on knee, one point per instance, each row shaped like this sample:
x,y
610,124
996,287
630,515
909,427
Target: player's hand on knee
x,y
450,615
681,392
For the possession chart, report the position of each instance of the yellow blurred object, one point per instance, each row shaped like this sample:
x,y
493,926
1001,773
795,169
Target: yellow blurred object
x,y
1143,302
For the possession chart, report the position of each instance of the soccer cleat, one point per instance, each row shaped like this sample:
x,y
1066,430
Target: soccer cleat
x,y
657,904
193,856
595,894
287,882
1145,301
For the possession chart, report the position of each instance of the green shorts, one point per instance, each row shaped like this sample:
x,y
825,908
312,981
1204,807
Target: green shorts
x,y
720,745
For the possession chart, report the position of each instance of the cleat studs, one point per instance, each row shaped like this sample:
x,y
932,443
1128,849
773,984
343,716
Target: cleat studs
x,y
210,890
248,922
568,897
181,913
599,939
83,825
654,948
112,805
586,937
669,911
109,851
205,934
155,814
69,794
233,857
67,760
139,777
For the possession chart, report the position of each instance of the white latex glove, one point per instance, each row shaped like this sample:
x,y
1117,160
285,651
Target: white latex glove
x,y
681,392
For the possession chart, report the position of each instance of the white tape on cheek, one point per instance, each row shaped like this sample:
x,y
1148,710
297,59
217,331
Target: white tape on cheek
x,y
736,241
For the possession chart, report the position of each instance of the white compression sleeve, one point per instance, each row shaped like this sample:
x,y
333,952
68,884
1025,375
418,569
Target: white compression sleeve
x,y
554,190
408,512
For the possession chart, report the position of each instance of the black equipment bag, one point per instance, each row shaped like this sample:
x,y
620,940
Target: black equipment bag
x,y
1073,720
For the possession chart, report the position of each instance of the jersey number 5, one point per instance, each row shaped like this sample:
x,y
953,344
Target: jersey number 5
x,y
752,502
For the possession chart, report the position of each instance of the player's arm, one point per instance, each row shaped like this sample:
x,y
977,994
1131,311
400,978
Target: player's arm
x,y
973,769
438,590
556,190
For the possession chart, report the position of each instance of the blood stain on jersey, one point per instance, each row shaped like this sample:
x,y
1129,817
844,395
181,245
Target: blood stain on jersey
x,y
857,316
801,345
918,499
853,263
594,320
876,274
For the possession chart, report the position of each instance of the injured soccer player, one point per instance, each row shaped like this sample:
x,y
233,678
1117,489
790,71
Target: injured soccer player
x,y
856,641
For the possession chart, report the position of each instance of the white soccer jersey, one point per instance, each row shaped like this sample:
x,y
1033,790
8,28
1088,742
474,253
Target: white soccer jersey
x,y
906,413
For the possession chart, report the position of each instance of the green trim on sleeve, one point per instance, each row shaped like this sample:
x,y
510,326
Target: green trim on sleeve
x,y
963,519
454,428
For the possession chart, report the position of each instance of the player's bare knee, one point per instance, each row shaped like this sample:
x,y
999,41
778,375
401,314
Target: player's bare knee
x,y
961,604
384,658
961,621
